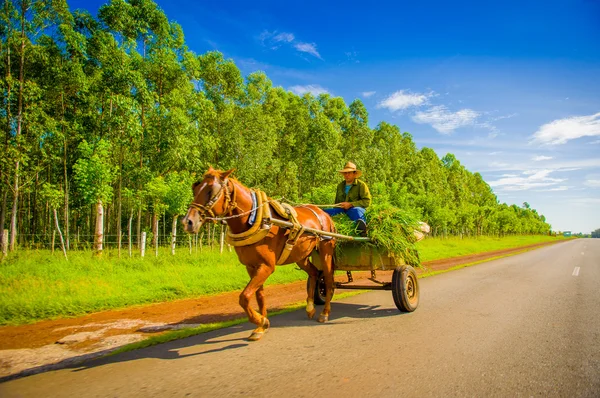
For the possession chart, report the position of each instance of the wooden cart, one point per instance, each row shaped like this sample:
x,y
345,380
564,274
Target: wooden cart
x,y
359,255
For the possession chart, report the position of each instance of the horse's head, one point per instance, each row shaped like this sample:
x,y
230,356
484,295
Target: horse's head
x,y
212,198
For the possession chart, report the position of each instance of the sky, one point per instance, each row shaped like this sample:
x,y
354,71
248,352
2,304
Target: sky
x,y
511,88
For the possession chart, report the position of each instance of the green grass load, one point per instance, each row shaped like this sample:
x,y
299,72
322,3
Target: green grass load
x,y
389,228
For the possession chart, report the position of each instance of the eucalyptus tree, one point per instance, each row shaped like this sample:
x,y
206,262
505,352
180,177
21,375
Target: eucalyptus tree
x,y
222,83
255,139
23,22
94,174
177,198
156,191
324,155
54,197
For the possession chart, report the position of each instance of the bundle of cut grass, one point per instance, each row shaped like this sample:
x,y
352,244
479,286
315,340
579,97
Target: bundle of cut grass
x,y
389,228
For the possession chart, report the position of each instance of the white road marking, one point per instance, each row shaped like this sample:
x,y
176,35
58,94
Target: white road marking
x,y
576,271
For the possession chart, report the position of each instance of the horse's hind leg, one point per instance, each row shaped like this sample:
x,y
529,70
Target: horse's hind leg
x,y
258,277
326,248
312,272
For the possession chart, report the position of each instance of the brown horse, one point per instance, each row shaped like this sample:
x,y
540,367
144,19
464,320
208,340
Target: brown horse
x,y
217,196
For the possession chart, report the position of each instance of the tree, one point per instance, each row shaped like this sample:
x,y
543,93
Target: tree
x,y
54,197
177,199
94,174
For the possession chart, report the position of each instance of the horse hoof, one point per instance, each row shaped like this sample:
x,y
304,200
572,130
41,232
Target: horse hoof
x,y
255,336
311,314
323,318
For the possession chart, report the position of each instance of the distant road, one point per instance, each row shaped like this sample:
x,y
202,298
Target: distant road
x,y
526,325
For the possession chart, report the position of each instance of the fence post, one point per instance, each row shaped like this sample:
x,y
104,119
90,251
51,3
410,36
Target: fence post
x,y
53,239
174,235
129,232
222,237
143,245
5,243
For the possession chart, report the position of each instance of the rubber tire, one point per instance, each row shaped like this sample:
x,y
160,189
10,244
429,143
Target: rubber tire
x,y
405,288
319,297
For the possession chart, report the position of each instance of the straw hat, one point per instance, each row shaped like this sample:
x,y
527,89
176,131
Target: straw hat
x,y
350,167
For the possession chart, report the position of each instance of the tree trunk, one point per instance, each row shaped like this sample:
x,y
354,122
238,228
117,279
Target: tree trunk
x,y
119,199
62,241
2,219
143,244
13,216
174,234
98,236
155,232
4,243
129,232
13,221
139,227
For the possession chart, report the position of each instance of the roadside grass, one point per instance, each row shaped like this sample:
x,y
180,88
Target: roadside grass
x,y
36,285
436,248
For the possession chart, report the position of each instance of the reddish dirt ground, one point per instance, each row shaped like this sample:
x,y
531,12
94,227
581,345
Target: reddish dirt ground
x,y
50,344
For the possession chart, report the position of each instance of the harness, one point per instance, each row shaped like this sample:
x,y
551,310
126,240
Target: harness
x,y
262,222
230,203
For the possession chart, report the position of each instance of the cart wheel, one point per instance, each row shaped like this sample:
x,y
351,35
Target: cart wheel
x,y
319,296
405,288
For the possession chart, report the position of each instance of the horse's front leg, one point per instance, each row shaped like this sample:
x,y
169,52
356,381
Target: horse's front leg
x,y
258,277
326,252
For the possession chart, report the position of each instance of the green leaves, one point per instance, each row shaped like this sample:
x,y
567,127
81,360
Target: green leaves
x,y
94,173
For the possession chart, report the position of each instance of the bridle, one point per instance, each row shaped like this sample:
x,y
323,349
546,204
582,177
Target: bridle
x,y
230,203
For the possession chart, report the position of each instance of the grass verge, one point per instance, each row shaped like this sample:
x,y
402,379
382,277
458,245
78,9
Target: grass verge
x,y
36,285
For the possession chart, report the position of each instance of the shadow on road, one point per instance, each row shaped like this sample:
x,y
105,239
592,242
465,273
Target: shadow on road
x,y
230,338
234,337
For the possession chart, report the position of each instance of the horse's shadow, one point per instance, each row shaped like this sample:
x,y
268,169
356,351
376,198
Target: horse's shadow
x,y
229,338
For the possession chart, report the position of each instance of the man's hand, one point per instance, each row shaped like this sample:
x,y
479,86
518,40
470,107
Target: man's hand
x,y
345,205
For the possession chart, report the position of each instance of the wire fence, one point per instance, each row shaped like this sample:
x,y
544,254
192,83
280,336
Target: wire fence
x,y
207,237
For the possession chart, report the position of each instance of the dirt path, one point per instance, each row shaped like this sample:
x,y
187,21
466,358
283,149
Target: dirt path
x,y
46,345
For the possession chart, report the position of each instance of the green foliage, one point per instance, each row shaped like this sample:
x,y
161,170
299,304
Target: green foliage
x,y
94,173
52,195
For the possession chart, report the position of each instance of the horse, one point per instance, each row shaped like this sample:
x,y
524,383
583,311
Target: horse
x,y
221,197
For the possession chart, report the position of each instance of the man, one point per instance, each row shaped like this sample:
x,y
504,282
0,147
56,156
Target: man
x,y
352,197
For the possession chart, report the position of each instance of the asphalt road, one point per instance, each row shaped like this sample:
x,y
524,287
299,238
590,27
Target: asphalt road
x,y
526,325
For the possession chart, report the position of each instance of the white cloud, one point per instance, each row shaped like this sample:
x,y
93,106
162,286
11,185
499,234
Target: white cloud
x,y
495,119
592,183
586,201
562,130
402,100
314,89
368,94
310,48
531,179
540,158
561,188
444,121
274,40
498,165
286,37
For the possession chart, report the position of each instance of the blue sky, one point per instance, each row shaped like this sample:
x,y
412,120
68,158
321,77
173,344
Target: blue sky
x,y
511,88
